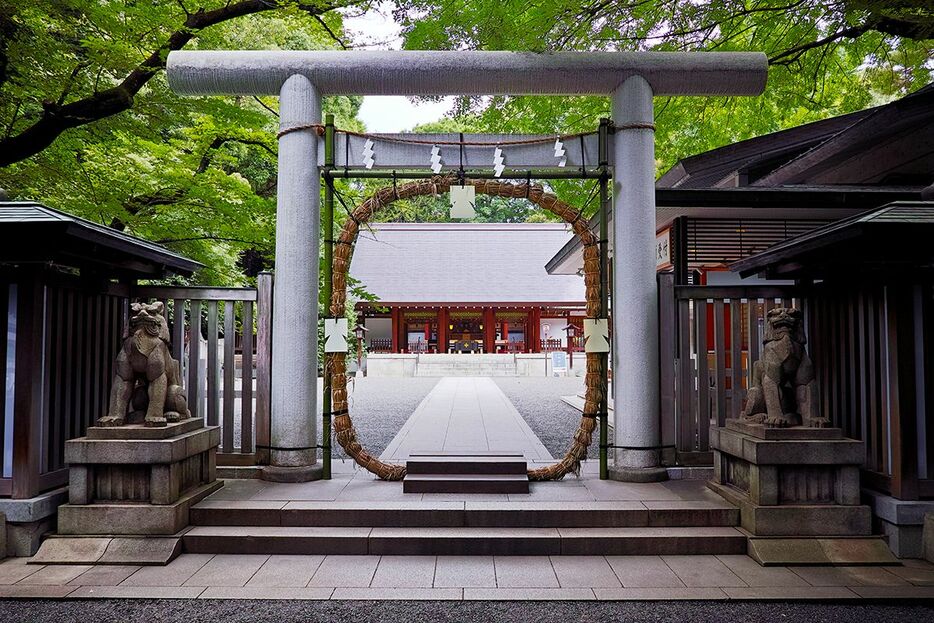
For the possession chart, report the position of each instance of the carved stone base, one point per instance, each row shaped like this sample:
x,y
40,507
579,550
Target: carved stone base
x,y
136,480
795,482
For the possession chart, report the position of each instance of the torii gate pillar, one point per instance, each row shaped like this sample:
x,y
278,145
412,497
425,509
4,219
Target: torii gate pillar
x,y
637,429
294,423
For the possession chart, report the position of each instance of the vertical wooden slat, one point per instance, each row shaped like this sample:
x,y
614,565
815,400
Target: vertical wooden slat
x,y
246,380
75,413
27,392
736,358
864,365
900,337
666,345
754,343
227,430
703,375
719,332
178,334
4,319
686,428
91,321
853,367
264,285
194,358
213,371
100,386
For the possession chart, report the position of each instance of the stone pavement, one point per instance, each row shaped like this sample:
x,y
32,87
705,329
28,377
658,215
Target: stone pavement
x,y
466,578
465,414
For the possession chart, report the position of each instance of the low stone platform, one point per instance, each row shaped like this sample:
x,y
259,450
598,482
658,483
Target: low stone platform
x,y
132,481
796,488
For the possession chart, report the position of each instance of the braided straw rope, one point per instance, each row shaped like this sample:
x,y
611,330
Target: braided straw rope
x,y
595,390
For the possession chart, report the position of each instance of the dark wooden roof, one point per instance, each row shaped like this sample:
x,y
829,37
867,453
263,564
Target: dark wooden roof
x,y
892,240
887,145
34,233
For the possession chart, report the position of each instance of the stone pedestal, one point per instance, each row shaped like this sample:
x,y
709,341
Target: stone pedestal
x,y
137,480
792,484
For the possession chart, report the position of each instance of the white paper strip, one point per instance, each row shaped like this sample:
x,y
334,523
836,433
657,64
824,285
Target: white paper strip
x,y
463,201
335,335
596,335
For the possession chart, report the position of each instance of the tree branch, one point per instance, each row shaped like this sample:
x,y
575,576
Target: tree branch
x,y
792,54
220,140
57,118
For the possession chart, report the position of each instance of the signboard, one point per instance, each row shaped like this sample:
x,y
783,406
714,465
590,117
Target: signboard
x,y
663,249
559,363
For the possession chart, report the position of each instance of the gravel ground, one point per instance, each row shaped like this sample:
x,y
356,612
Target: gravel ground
x,y
213,611
538,400
379,407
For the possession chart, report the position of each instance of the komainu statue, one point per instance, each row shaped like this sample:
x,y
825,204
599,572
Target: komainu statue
x,y
147,379
783,391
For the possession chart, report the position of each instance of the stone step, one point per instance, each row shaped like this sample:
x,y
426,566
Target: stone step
x,y
466,483
472,463
464,541
451,514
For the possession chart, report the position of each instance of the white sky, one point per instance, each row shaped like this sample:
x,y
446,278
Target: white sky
x,y
376,30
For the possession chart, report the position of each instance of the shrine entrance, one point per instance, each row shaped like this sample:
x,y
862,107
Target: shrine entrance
x,y
475,162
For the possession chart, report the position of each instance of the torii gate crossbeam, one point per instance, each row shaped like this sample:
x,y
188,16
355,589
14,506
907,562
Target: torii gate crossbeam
x,y
631,79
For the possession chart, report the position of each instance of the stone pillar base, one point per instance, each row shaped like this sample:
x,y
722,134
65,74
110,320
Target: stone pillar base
x,y
304,473
638,474
796,487
138,480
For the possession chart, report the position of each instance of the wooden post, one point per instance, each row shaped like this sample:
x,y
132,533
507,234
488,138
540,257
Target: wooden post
x,y
489,330
28,389
394,314
537,330
904,358
264,285
442,330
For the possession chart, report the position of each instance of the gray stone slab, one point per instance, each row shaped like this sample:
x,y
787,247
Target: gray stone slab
x,y
644,572
894,592
105,575
55,575
137,592
227,570
12,570
702,571
345,571
849,576
529,594
901,512
756,575
141,550
525,572
659,594
35,508
464,541
286,571
123,451
377,513
915,575
785,593
465,571
276,540
400,594
648,541
216,512
797,432
404,572
175,573
463,414
26,591
140,431
584,572
70,551
316,490
266,592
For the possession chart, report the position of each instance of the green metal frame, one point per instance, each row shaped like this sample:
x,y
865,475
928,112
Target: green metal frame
x,y
329,173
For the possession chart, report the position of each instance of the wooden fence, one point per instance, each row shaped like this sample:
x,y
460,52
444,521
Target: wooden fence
x,y
706,360
229,390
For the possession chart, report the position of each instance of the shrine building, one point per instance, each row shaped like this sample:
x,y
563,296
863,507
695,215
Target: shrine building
x,y
466,288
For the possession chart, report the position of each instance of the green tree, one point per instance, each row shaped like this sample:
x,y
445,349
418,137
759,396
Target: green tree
x,y
196,174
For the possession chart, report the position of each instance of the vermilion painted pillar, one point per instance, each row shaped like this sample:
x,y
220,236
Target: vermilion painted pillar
x,y
536,330
394,314
506,334
442,330
489,330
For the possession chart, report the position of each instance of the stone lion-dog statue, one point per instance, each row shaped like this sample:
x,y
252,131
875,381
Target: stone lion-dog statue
x,y
783,391
147,377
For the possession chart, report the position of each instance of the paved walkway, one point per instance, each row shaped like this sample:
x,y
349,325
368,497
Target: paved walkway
x,y
469,415
465,578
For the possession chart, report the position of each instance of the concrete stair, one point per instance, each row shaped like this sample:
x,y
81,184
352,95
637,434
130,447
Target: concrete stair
x,y
448,472
422,541
451,364
537,528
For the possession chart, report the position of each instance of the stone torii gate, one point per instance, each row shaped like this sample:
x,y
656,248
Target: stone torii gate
x,y
300,79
